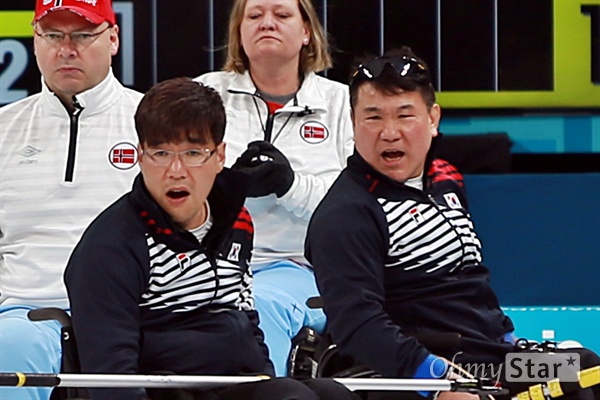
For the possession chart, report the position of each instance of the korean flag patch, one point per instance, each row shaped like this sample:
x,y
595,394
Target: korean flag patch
x,y
452,200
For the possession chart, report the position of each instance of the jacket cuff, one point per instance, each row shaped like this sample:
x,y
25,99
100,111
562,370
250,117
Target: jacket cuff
x,y
432,367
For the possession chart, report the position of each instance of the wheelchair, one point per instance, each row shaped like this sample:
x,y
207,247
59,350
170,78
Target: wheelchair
x,y
70,357
316,356
70,361
311,356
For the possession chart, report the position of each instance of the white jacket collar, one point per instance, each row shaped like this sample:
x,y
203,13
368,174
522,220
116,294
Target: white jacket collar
x,y
94,100
309,96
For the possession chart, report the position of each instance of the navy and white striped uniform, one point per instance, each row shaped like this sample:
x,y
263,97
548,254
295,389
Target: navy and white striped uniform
x,y
147,296
393,261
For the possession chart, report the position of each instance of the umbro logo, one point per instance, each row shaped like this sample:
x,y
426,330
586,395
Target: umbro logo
x,y
28,151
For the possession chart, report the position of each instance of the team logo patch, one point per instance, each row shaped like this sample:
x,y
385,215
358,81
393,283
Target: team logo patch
x,y
452,200
314,132
234,252
183,260
415,214
123,156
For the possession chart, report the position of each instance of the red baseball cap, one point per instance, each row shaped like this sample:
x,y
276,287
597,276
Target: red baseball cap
x,y
95,11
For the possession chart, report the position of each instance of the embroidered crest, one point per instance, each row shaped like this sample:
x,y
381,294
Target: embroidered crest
x,y
123,156
314,132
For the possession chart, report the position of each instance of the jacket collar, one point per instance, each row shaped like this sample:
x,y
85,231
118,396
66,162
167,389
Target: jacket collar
x,y
226,200
357,163
93,101
309,97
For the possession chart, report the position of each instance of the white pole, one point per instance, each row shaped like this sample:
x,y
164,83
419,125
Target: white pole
x,y
152,381
395,384
206,381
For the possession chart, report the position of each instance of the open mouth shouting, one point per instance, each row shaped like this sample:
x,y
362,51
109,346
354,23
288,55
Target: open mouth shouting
x,y
392,155
178,194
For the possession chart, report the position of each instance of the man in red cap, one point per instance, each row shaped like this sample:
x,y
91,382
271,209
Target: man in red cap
x,y
95,11
65,154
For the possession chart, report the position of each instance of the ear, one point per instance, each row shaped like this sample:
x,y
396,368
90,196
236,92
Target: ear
x,y
306,34
221,155
114,40
35,39
435,114
140,152
353,122
141,158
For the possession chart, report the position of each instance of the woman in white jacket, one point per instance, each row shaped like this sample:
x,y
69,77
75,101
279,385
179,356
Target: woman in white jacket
x,y
290,130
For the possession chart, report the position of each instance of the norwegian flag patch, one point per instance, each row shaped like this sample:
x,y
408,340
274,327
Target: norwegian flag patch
x,y
123,156
314,132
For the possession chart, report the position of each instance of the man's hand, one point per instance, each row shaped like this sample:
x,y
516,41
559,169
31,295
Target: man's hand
x,y
267,169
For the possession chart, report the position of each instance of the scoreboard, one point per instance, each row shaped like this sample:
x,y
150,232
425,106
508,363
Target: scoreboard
x,y
573,68
483,54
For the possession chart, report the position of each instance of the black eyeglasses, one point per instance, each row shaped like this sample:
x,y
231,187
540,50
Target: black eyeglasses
x,y
405,67
80,39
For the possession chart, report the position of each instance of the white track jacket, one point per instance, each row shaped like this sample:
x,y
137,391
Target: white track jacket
x,y
313,130
57,172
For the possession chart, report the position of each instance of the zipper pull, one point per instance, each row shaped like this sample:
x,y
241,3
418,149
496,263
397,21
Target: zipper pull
x,y
435,203
77,106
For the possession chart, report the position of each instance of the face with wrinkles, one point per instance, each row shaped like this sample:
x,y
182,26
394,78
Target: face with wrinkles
x,y
69,68
273,29
393,133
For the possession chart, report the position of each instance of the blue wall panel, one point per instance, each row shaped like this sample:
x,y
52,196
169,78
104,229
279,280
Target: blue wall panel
x,y
534,134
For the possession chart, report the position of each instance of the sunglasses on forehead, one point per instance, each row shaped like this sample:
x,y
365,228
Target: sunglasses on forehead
x,y
404,66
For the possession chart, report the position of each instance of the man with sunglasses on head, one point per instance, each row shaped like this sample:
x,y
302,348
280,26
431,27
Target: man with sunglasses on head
x,y
65,154
161,280
393,247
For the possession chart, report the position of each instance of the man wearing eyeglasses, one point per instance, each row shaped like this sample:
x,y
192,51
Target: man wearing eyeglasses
x,y
65,154
161,280
393,247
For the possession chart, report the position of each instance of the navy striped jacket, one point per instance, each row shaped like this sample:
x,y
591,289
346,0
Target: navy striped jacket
x,y
146,296
393,262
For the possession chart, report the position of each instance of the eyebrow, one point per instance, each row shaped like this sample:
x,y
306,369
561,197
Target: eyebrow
x,y
403,107
276,7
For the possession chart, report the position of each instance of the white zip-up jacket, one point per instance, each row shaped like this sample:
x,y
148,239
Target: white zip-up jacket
x,y
313,130
57,172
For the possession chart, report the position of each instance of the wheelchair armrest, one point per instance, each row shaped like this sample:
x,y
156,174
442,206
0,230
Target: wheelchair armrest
x,y
315,302
44,314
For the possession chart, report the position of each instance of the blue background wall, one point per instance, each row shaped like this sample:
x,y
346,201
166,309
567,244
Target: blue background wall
x,y
535,133
541,241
